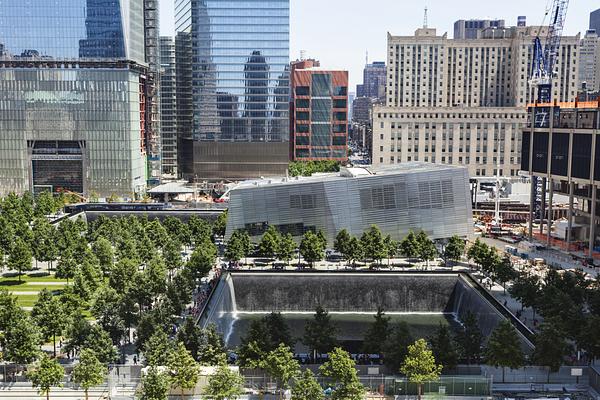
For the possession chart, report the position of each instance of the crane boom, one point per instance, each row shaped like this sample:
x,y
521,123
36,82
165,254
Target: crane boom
x,y
544,60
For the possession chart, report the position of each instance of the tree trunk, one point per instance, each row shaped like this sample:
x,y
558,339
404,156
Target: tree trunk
x,y
503,371
419,391
48,394
54,343
86,394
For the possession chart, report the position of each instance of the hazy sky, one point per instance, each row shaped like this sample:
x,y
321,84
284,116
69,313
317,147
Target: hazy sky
x,y
339,32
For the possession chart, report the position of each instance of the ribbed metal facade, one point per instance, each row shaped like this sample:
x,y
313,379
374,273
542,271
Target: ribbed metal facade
x,y
412,196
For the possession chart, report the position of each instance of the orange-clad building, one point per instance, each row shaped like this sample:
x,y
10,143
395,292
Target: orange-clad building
x,y
318,113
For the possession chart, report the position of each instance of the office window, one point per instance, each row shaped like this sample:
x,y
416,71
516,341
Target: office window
x,y
302,91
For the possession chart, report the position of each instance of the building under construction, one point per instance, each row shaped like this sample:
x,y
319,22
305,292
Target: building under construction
x,y
561,152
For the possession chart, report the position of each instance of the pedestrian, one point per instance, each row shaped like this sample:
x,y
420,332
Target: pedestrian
x,y
135,360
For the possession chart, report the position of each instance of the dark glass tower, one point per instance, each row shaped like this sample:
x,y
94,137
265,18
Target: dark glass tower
x,y
234,116
77,82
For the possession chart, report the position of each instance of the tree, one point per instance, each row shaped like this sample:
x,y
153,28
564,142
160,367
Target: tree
x,y
443,347
235,250
201,230
45,374
505,272
320,332
172,255
189,334
157,349
490,261
377,334
395,348
409,246
454,249
9,309
99,341
287,248
551,347
106,309
225,384
254,345
157,233
22,341
526,289
183,368
220,224
49,314
355,251
311,248
45,204
307,387
477,251
19,257
202,260
373,245
211,350
282,366
504,348
269,243
67,265
340,368
44,244
89,372
341,243
391,248
420,365
279,331
427,250
105,254
470,339
154,386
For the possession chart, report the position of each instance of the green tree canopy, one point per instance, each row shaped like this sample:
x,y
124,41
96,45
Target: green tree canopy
x,y
340,368
225,384
212,349
22,341
20,257
395,348
420,365
454,249
377,334
269,243
281,365
470,339
183,368
45,374
372,244
220,224
287,248
427,251
307,387
320,332
409,246
89,372
154,386
443,348
50,316
551,347
311,248
504,348
158,348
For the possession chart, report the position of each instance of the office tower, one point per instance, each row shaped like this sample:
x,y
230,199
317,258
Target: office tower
x,y
595,20
351,97
319,113
463,101
589,62
168,106
373,85
233,65
521,21
78,93
469,29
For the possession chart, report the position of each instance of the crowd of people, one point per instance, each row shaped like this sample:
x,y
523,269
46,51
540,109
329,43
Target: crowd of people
x,y
202,293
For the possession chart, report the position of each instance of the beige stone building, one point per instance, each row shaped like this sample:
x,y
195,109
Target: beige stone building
x,y
463,102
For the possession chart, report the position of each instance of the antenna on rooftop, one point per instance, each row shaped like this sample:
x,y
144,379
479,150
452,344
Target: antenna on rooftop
x,y
425,18
367,58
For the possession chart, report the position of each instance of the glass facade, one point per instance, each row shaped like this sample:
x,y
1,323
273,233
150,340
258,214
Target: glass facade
x,y
240,76
76,98
72,29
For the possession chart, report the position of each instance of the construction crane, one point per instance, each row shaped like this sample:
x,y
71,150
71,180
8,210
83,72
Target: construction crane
x,y
544,59
542,73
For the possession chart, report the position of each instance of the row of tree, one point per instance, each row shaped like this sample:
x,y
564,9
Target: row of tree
x,y
372,245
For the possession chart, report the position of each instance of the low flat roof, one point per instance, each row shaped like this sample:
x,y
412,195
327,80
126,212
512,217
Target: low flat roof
x,y
352,172
171,187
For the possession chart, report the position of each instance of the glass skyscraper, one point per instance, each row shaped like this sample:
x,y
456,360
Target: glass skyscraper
x,y
237,105
76,95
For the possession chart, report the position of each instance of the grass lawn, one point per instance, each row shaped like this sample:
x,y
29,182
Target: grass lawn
x,y
33,277
26,300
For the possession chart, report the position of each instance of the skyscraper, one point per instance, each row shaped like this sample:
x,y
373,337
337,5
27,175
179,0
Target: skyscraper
x,y
235,113
595,20
319,121
469,29
78,113
589,62
463,102
168,105
373,85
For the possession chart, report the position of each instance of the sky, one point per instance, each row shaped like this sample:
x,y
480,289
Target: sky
x,y
340,32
